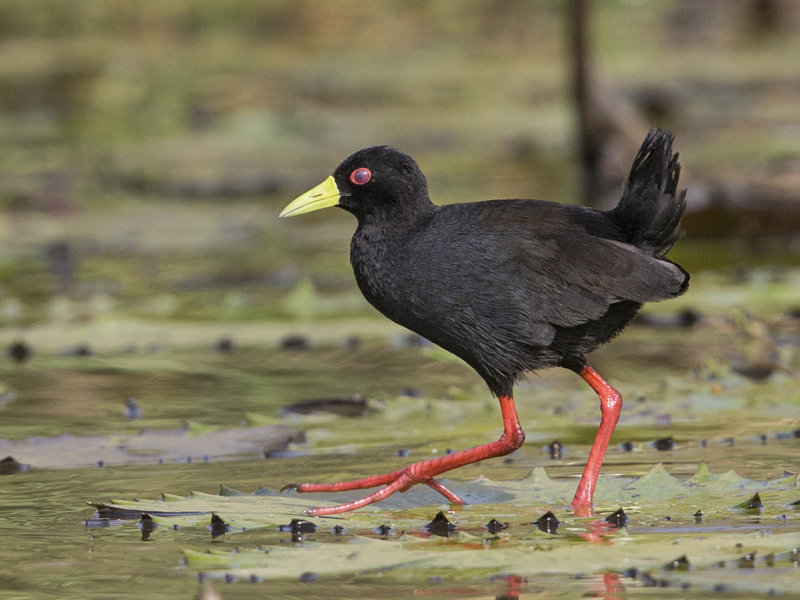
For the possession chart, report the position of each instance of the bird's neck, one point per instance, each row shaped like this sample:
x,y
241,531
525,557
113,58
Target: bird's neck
x,y
373,251
378,247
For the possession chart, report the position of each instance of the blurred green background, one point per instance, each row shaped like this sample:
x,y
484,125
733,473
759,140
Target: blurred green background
x,y
147,147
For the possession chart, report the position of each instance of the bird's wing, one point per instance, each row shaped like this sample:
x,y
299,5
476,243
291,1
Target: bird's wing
x,y
540,269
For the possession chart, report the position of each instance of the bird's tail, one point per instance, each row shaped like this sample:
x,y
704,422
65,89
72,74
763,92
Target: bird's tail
x,y
650,211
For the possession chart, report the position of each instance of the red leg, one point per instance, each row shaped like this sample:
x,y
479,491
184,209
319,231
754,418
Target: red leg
x,y
423,471
610,407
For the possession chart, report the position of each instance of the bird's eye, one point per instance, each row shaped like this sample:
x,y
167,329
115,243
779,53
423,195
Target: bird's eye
x,y
361,176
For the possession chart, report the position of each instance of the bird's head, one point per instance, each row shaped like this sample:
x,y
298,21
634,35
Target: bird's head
x,y
377,181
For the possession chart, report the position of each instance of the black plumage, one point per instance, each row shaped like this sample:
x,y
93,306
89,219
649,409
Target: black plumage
x,y
509,285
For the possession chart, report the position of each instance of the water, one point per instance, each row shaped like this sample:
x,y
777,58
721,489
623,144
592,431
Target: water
x,y
53,546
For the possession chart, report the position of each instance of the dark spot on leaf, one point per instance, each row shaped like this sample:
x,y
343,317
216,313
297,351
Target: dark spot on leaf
x,y
19,352
350,406
383,529
679,564
698,516
748,561
132,408
352,343
495,526
81,350
440,526
226,345
147,525
627,446
218,526
555,449
295,342
664,444
308,577
9,466
337,530
412,393
755,371
403,452
617,518
548,523
688,317
299,526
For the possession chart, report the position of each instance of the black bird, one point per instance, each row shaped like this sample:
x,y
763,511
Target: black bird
x,y
508,285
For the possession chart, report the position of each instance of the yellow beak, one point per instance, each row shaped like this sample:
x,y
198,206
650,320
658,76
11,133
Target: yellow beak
x,y
324,195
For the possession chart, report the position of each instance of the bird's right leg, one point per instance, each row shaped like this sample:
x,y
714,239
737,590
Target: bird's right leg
x,y
610,408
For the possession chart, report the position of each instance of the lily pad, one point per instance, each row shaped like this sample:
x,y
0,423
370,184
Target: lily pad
x,y
193,442
660,527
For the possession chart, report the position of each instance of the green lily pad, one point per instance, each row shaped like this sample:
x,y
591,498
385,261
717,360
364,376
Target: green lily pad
x,y
662,528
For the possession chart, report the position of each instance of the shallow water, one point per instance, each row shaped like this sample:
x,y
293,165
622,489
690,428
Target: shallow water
x,y
54,546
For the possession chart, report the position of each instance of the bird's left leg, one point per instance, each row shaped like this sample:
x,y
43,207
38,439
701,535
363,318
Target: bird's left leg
x,y
423,471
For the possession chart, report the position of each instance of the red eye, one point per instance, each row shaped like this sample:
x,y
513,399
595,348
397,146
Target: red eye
x,y
361,176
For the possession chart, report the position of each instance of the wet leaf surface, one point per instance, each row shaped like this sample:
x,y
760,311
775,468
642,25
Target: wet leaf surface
x,y
191,443
636,539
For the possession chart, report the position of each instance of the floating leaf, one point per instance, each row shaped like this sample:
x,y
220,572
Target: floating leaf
x,y
150,447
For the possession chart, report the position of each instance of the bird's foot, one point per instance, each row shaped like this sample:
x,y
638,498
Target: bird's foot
x,y
398,481
423,471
